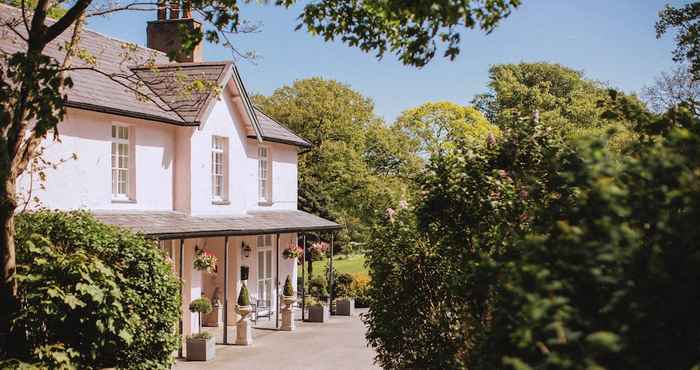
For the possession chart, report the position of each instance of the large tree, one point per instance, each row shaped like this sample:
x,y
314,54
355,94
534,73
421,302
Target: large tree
x,y
356,162
33,84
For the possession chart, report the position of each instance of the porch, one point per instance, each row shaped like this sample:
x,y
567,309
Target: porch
x,y
255,241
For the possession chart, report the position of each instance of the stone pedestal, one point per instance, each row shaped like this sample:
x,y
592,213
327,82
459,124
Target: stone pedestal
x,y
244,330
288,314
215,318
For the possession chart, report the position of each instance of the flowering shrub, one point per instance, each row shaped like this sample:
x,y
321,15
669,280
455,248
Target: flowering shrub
x,y
205,261
292,251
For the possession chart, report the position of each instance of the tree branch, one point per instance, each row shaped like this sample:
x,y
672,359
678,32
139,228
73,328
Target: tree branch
x,y
66,21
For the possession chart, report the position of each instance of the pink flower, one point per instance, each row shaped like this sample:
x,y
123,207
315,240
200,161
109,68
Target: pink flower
x,y
390,212
403,204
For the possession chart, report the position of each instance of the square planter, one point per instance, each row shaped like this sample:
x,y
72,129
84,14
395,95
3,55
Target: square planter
x,y
200,349
345,307
319,313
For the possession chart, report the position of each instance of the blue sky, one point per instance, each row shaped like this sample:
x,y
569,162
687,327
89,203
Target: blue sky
x,y
611,41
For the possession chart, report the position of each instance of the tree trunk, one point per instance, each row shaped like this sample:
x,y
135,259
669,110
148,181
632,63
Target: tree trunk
x,y
310,266
8,284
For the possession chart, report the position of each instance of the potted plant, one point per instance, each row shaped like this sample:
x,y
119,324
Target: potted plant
x,y
200,346
318,312
244,333
323,295
288,299
292,251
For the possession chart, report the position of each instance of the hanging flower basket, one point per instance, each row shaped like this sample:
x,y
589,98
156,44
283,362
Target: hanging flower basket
x,y
205,261
292,251
318,250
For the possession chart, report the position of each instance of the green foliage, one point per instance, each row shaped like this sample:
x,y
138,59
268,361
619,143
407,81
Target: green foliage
x,y
411,29
201,305
342,285
244,296
288,290
353,153
318,286
433,127
56,10
562,98
205,335
93,295
686,19
540,254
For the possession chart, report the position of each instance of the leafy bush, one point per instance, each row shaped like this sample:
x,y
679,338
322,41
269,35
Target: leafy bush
x,y
201,335
244,296
342,285
360,289
288,289
318,285
92,293
535,253
201,305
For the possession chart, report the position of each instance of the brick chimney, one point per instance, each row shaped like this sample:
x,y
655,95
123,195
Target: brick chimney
x,y
164,34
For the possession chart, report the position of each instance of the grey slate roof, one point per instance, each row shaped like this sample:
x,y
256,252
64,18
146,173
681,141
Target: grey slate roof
x,y
274,131
122,60
175,225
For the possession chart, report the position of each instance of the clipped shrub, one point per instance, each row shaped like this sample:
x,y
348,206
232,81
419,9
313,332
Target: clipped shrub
x,y
360,289
244,296
95,294
201,335
288,291
201,305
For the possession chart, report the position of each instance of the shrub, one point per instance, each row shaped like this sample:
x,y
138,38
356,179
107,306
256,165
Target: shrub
x,y
97,294
288,290
317,284
342,285
201,305
244,296
360,289
201,335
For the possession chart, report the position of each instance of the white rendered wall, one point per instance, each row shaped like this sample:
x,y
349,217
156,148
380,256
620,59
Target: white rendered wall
x,y
86,182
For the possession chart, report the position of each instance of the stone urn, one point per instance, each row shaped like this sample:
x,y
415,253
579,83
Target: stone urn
x,y
201,348
244,330
288,313
216,317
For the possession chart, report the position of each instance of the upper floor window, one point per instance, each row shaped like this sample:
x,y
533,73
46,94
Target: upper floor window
x,y
264,174
121,162
219,166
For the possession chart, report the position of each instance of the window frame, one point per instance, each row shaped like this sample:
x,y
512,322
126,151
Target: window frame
x,y
223,151
265,193
116,142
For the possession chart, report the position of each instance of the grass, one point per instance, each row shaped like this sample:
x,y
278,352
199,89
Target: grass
x,y
351,263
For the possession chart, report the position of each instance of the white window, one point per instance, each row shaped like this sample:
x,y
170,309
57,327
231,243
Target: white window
x,y
121,162
219,171
264,177
265,268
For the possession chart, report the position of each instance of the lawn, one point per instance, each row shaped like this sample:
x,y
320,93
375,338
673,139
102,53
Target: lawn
x,y
351,263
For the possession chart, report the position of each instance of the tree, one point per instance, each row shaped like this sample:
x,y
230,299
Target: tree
x,y
687,20
560,97
432,126
33,84
353,153
673,88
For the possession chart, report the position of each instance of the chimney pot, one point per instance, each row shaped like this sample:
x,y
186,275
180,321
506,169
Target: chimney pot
x,y
187,9
162,10
174,9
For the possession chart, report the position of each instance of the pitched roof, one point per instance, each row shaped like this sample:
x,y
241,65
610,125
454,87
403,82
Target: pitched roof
x,y
272,130
122,67
175,225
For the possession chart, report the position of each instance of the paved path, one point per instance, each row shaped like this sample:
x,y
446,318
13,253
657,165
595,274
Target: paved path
x,y
338,345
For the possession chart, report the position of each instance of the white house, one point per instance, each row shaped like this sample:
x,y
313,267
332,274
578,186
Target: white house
x,y
194,168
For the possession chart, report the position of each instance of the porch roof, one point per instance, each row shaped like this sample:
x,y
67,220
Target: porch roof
x,y
177,225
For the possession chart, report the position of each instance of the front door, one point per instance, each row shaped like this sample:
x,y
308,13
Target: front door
x,y
265,269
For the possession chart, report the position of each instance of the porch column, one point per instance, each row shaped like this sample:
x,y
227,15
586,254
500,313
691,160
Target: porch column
x,y
182,293
277,284
226,290
303,277
331,278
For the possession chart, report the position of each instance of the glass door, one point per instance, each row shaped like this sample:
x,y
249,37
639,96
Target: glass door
x,y
265,269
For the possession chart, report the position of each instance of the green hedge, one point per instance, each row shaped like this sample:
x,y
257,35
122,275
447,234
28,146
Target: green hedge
x,y
98,295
